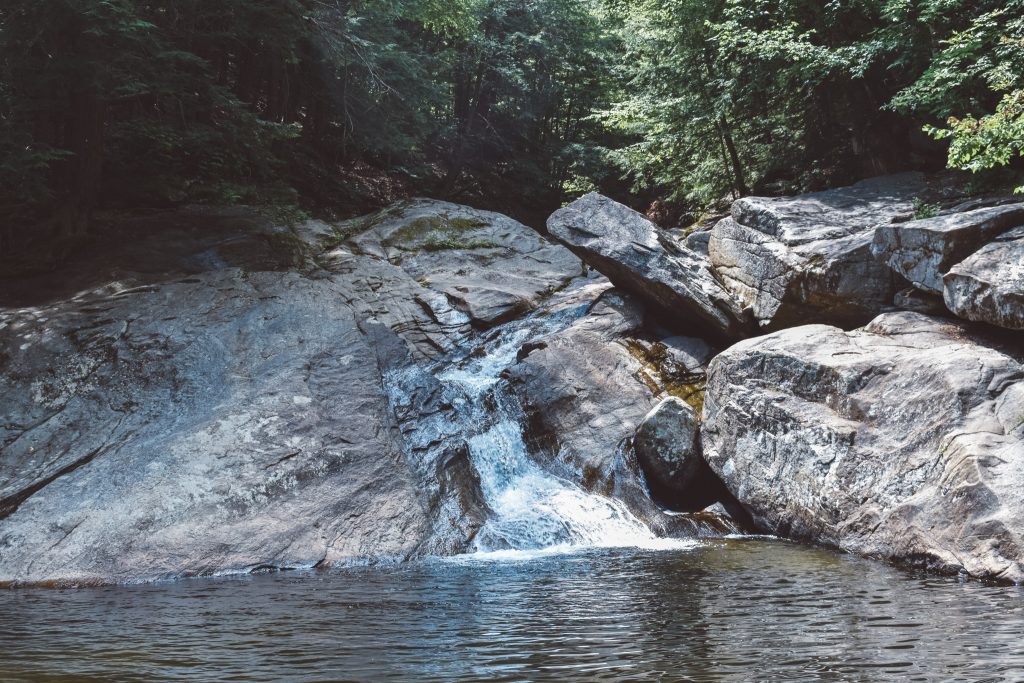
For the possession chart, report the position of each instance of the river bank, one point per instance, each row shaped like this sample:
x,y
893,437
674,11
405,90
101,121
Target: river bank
x,y
205,392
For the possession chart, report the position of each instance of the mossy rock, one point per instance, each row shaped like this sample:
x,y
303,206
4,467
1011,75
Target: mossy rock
x,y
665,376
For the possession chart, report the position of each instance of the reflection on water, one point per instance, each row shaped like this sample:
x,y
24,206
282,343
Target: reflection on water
x,y
724,611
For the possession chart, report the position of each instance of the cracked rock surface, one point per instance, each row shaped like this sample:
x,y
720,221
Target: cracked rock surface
x,y
988,286
902,440
923,251
587,388
807,258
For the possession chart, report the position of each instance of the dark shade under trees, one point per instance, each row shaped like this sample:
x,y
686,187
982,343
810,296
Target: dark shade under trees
x,y
511,104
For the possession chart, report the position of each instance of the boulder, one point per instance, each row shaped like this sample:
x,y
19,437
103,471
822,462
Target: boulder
x,y
902,440
923,251
667,447
585,392
638,257
808,258
225,422
988,286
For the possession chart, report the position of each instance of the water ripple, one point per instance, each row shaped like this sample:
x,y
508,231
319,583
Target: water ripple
x,y
722,611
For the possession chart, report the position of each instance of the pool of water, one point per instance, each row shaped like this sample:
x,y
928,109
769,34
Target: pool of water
x,y
738,610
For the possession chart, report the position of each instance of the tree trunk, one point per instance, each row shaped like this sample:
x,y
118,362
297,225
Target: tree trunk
x,y
734,157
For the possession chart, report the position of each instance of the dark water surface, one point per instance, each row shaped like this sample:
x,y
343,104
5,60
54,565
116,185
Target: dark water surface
x,y
725,611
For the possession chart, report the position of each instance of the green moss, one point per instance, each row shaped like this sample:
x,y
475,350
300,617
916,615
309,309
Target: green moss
x,y
439,233
663,375
414,230
448,243
464,224
346,230
593,481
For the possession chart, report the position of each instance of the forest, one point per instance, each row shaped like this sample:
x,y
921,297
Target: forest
x,y
331,107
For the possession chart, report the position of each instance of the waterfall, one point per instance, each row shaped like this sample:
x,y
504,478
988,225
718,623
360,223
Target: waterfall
x,y
531,509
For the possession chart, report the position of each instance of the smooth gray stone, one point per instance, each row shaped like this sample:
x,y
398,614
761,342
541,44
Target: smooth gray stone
x,y
989,285
638,257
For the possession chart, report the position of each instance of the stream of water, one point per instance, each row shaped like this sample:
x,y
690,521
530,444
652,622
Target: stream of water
x,y
532,510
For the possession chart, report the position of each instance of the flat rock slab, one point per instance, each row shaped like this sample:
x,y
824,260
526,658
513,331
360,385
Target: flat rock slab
x,y
638,257
903,440
988,286
488,265
808,258
923,251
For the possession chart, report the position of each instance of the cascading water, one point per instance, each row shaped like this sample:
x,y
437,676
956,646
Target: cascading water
x,y
531,509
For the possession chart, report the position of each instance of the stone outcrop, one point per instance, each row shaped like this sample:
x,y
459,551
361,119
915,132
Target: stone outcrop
x,y
587,388
988,286
205,393
226,422
903,440
491,268
923,251
638,257
808,258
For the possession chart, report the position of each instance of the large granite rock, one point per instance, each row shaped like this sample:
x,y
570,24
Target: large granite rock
x,y
635,255
201,392
903,440
808,258
226,422
923,251
988,286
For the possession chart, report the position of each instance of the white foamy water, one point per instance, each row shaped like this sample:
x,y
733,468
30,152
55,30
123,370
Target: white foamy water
x,y
534,512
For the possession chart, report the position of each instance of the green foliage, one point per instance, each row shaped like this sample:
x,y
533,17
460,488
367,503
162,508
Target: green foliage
x,y
976,65
123,102
519,104
729,96
923,209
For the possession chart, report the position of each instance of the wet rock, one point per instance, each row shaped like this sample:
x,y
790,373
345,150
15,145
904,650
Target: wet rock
x,y
638,257
988,286
492,268
667,447
688,353
807,258
902,440
587,390
923,251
